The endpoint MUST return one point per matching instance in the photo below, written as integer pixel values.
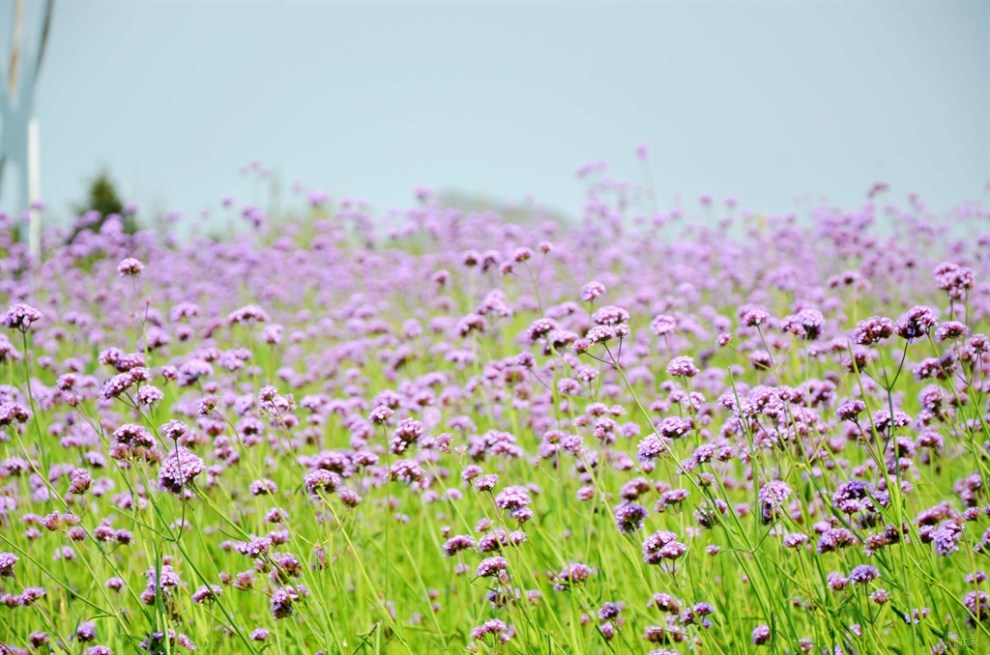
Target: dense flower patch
(639, 434)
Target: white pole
(34, 188)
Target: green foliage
(102, 197)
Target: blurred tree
(523, 213)
(102, 198)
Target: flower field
(693, 431)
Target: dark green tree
(102, 197)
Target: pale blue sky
(765, 101)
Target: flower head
(873, 330)
(21, 317)
(863, 574)
(129, 267)
(916, 323)
(682, 367)
(179, 469)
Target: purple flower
(772, 497)
(855, 496)
(592, 290)
(572, 574)
(807, 323)
(610, 315)
(148, 395)
(21, 317)
(953, 279)
(117, 385)
(661, 546)
(662, 325)
(880, 596)
(281, 602)
(86, 631)
(129, 267)
(247, 314)
(629, 518)
(604, 333)
(884, 422)
(774, 493)
(978, 604)
(134, 436)
(206, 593)
(675, 427)
(512, 498)
(491, 567)
(753, 316)
(650, 448)
(494, 627)
(849, 410)
(835, 539)
(470, 472)
(318, 197)
(682, 367)
(7, 562)
(486, 482)
(610, 611)
(540, 328)
(263, 487)
(457, 544)
(380, 415)
(946, 537)
(407, 433)
(863, 574)
(916, 323)
(950, 330)
(79, 481)
(155, 643)
(179, 469)
(940, 368)
(665, 603)
(873, 330)
(30, 595)
(321, 480)
(13, 412)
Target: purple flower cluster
(179, 469)
(463, 432)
